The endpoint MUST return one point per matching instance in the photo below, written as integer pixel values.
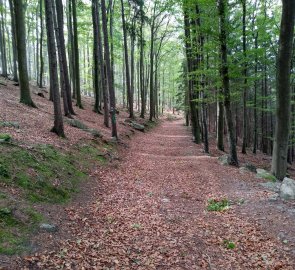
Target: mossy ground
(39, 174)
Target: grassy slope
(38, 174)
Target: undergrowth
(39, 174)
(217, 205)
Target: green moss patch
(16, 225)
(42, 173)
(39, 174)
(5, 137)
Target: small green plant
(217, 205)
(229, 244)
(5, 137)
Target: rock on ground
(287, 190)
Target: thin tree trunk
(108, 71)
(222, 6)
(127, 70)
(255, 143)
(191, 94)
(63, 58)
(58, 127)
(60, 60)
(76, 53)
(141, 65)
(245, 73)
(14, 49)
(3, 43)
(103, 80)
(97, 78)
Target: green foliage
(15, 229)
(217, 205)
(5, 137)
(229, 244)
(42, 173)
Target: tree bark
(60, 60)
(3, 43)
(127, 70)
(58, 127)
(76, 53)
(63, 57)
(108, 70)
(25, 95)
(191, 94)
(14, 49)
(97, 88)
(245, 74)
(141, 64)
(222, 6)
(282, 130)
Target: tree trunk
(222, 6)
(76, 53)
(14, 49)
(191, 94)
(96, 57)
(152, 98)
(255, 143)
(141, 65)
(280, 148)
(103, 80)
(3, 43)
(108, 70)
(25, 95)
(58, 127)
(128, 82)
(60, 59)
(63, 57)
(245, 73)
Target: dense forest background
(208, 59)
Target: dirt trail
(149, 212)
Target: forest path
(149, 212)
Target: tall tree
(20, 30)
(76, 53)
(3, 42)
(191, 88)
(97, 76)
(14, 49)
(282, 130)
(141, 62)
(113, 109)
(58, 127)
(223, 26)
(126, 58)
(41, 70)
(63, 57)
(245, 74)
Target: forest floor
(147, 208)
(149, 211)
